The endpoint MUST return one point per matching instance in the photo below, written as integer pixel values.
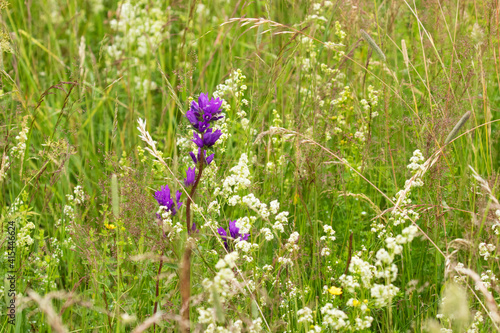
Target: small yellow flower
(110, 226)
(355, 302)
(365, 301)
(335, 291)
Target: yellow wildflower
(110, 226)
(335, 291)
(355, 302)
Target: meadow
(249, 166)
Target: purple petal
(209, 159)
(202, 126)
(193, 157)
(203, 101)
(222, 232)
(233, 229)
(197, 140)
(191, 116)
(190, 177)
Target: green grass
(83, 105)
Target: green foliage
(327, 130)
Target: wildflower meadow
(249, 166)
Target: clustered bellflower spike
(165, 200)
(234, 232)
(201, 115)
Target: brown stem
(185, 286)
(185, 274)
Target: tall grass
(363, 127)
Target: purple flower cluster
(165, 199)
(234, 233)
(201, 115)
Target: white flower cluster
(330, 233)
(255, 204)
(139, 29)
(317, 13)
(363, 274)
(77, 197)
(334, 317)
(138, 26)
(238, 179)
(416, 161)
(371, 102)
(23, 236)
(285, 261)
(291, 245)
(496, 225)
(268, 235)
(403, 215)
(169, 228)
(477, 323)
(345, 95)
(231, 86)
(25, 227)
(274, 206)
(485, 250)
(363, 323)
(19, 149)
(214, 207)
(224, 285)
(281, 221)
(487, 277)
(383, 293)
(362, 269)
(305, 315)
(224, 281)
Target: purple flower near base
(190, 177)
(208, 139)
(196, 158)
(165, 199)
(203, 113)
(234, 233)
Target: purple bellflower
(234, 233)
(208, 139)
(195, 158)
(190, 177)
(203, 113)
(164, 199)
